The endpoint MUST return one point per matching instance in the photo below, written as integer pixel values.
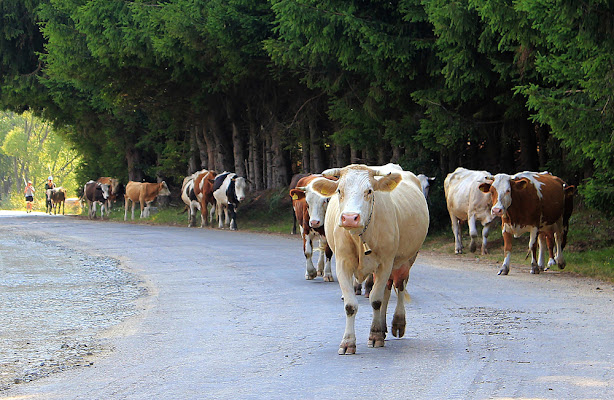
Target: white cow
(228, 190)
(310, 210)
(425, 184)
(374, 226)
(467, 203)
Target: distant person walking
(29, 192)
(49, 185)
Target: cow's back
(463, 197)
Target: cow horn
(336, 172)
(303, 188)
(377, 173)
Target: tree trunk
(255, 157)
(267, 161)
(397, 153)
(306, 150)
(222, 162)
(529, 158)
(341, 156)
(202, 147)
(237, 150)
(280, 173)
(317, 149)
(193, 161)
(210, 144)
(133, 160)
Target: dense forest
(148, 89)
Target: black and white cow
(228, 190)
(95, 192)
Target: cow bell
(366, 249)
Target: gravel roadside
(54, 304)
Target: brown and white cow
(189, 197)
(144, 193)
(374, 226)
(115, 189)
(530, 202)
(93, 193)
(293, 182)
(203, 189)
(310, 210)
(57, 196)
(466, 202)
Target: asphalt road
(229, 315)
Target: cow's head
(425, 183)
(105, 190)
(316, 203)
(500, 188)
(355, 189)
(240, 187)
(164, 190)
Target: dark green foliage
(497, 84)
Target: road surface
(229, 315)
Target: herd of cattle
(375, 219)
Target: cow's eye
(369, 191)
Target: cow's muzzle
(315, 223)
(497, 212)
(351, 220)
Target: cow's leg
(368, 285)
(532, 249)
(321, 256)
(212, 213)
(558, 239)
(378, 325)
(550, 244)
(133, 206)
(126, 203)
(485, 232)
(357, 287)
(507, 252)
(473, 233)
(541, 239)
(458, 244)
(328, 253)
(220, 217)
(310, 271)
(232, 212)
(350, 303)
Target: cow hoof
(376, 339)
(346, 348)
(535, 270)
(473, 247)
(504, 271)
(310, 274)
(329, 278)
(484, 251)
(458, 251)
(398, 326)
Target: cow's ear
(484, 187)
(297, 194)
(325, 187)
(520, 184)
(388, 182)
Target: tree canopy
(150, 89)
